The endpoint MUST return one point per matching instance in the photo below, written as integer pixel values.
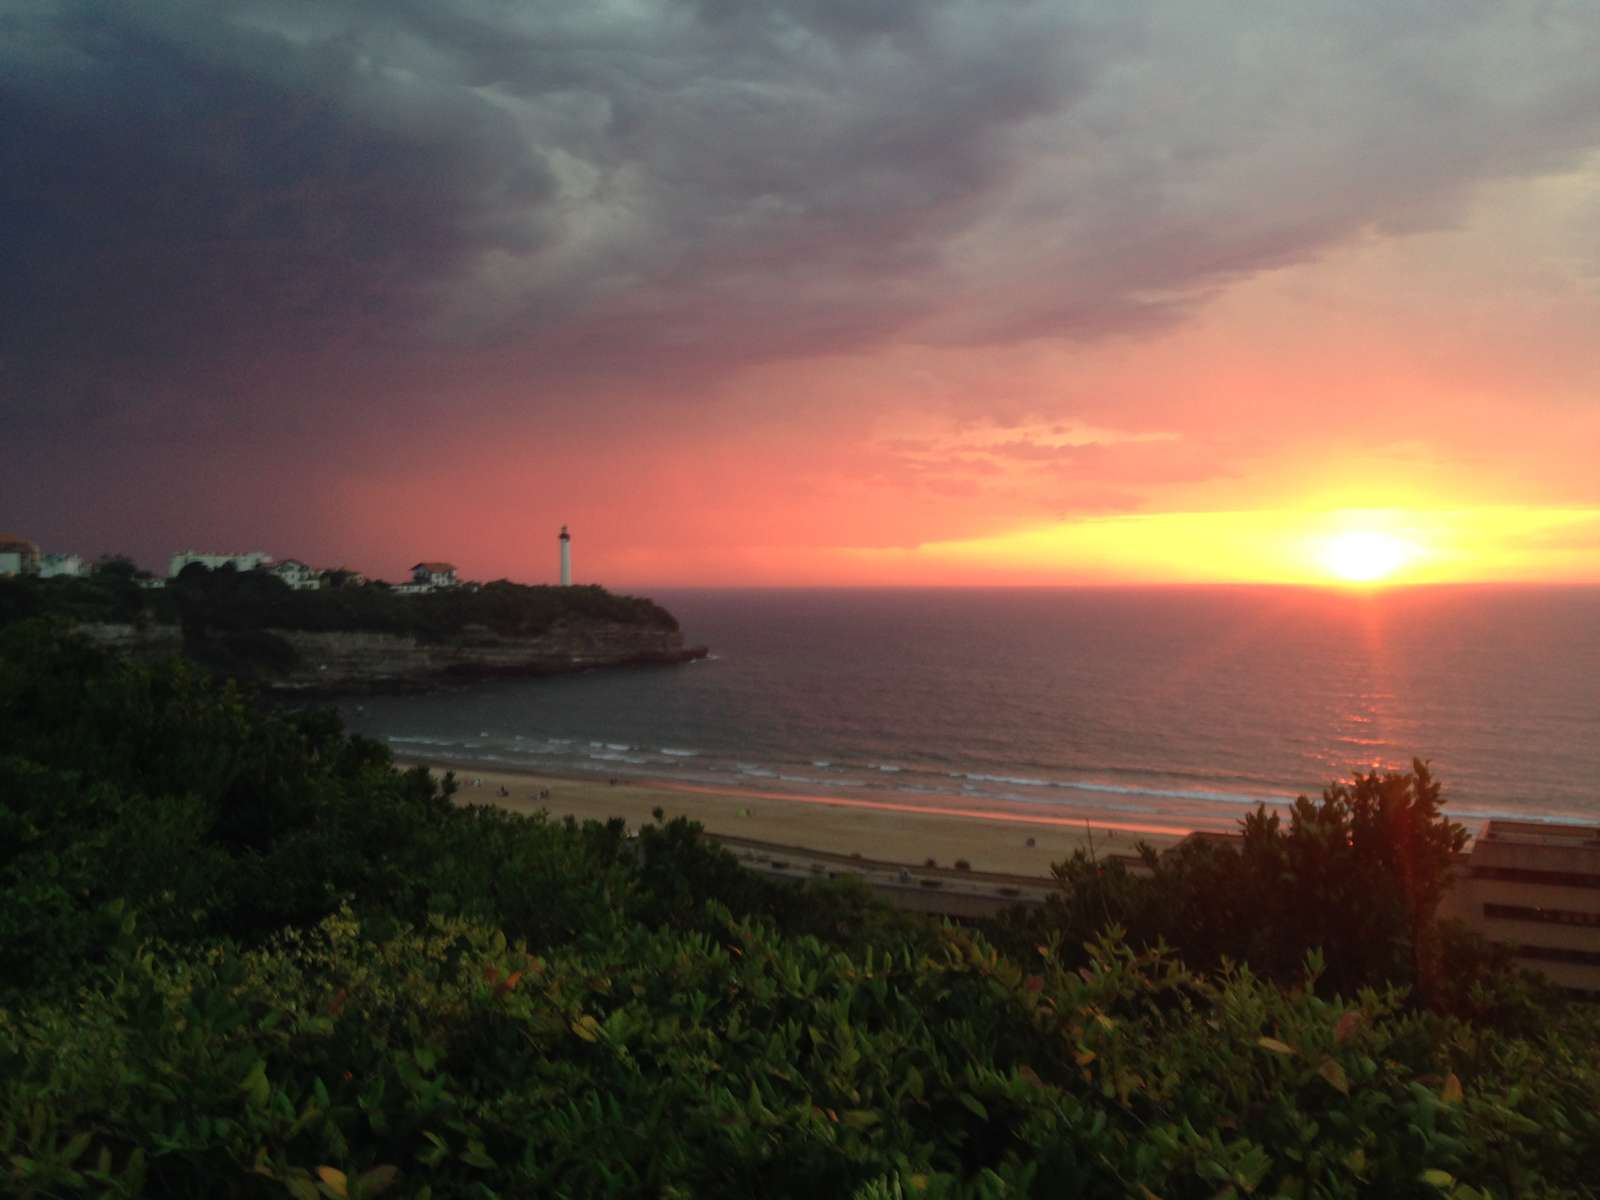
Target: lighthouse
(566, 557)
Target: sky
(807, 291)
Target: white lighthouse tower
(566, 557)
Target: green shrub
(242, 955)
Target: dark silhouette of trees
(1357, 875)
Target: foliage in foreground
(290, 970)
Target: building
(1535, 887)
(566, 557)
(434, 575)
(297, 574)
(239, 562)
(18, 556)
(62, 564)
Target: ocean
(1175, 706)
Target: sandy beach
(901, 830)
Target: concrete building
(18, 556)
(239, 562)
(1535, 887)
(297, 574)
(566, 557)
(62, 564)
(434, 575)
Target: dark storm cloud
(196, 194)
(183, 190)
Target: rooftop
(1540, 833)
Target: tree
(1358, 875)
(1397, 830)
(119, 566)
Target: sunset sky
(807, 291)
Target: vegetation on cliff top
(242, 955)
(229, 601)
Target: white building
(1535, 887)
(239, 562)
(18, 556)
(297, 574)
(434, 574)
(62, 564)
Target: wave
(1131, 796)
(1018, 780)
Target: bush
(1357, 876)
(242, 955)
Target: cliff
(298, 660)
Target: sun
(1363, 556)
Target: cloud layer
(232, 226)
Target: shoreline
(1009, 841)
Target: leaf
(587, 1028)
(378, 1179)
(1437, 1178)
(914, 1083)
(918, 1183)
(858, 1118)
(1347, 1024)
(973, 1105)
(1085, 1057)
(334, 1181)
(255, 1085)
(1451, 1092)
(1274, 1045)
(1331, 1071)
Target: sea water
(1186, 706)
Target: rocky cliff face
(358, 661)
(346, 660)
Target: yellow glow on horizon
(1365, 556)
(1318, 548)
